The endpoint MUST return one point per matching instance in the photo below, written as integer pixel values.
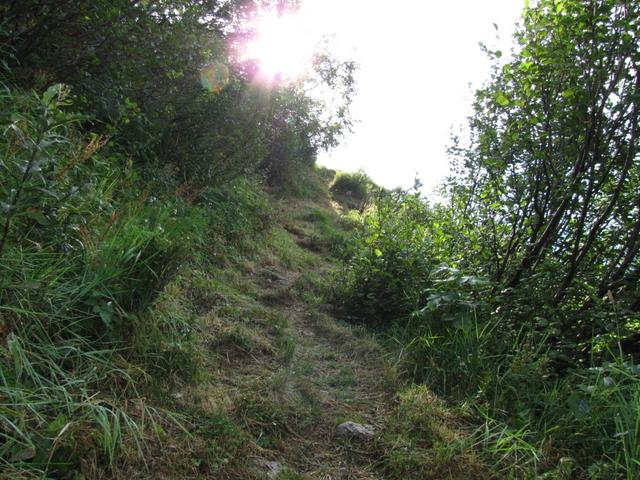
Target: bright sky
(417, 59)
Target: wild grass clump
(325, 231)
(387, 275)
(531, 420)
(235, 212)
(307, 183)
(424, 439)
(76, 267)
(69, 399)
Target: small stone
(269, 468)
(358, 430)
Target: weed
(287, 349)
(425, 440)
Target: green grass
(425, 440)
(145, 318)
(100, 310)
(51, 412)
(287, 346)
(527, 413)
(283, 247)
(529, 423)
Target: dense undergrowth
(516, 297)
(125, 309)
(531, 419)
(133, 153)
(88, 270)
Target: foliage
(518, 294)
(85, 264)
(357, 185)
(302, 125)
(546, 192)
(390, 270)
(132, 145)
(452, 335)
(142, 73)
(75, 270)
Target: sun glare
(282, 47)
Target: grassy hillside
(250, 351)
(185, 294)
(234, 360)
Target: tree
(135, 70)
(550, 184)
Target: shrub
(388, 274)
(236, 210)
(356, 185)
(78, 262)
(537, 414)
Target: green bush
(236, 210)
(389, 272)
(356, 185)
(85, 261)
(113, 199)
(74, 267)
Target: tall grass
(585, 424)
(93, 309)
(66, 384)
(356, 185)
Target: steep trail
(324, 372)
(344, 378)
(281, 372)
(337, 370)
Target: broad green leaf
(52, 92)
(502, 99)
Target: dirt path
(339, 372)
(281, 373)
(271, 374)
(346, 373)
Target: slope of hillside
(280, 373)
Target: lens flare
(214, 77)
